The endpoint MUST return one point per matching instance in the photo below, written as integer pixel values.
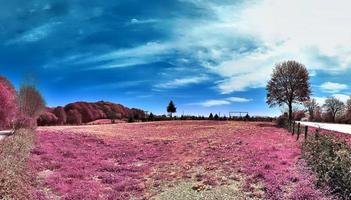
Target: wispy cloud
(220, 102)
(332, 87)
(116, 85)
(182, 82)
(35, 34)
(142, 21)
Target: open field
(171, 160)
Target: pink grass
(140, 160)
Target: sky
(206, 56)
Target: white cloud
(145, 21)
(220, 102)
(342, 97)
(35, 34)
(242, 42)
(284, 30)
(332, 87)
(238, 99)
(210, 103)
(181, 82)
(320, 100)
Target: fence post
(298, 131)
(306, 130)
(293, 128)
(317, 133)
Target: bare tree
(348, 106)
(311, 106)
(289, 84)
(334, 106)
(31, 103)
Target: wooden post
(306, 130)
(293, 128)
(317, 133)
(298, 131)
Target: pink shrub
(47, 118)
(8, 104)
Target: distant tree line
(83, 112)
(215, 117)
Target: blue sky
(207, 56)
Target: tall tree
(8, 103)
(31, 103)
(334, 106)
(171, 108)
(311, 106)
(289, 84)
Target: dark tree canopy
(210, 116)
(289, 84)
(171, 108)
(334, 106)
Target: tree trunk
(290, 111)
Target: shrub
(281, 121)
(47, 119)
(61, 115)
(8, 104)
(74, 117)
(330, 159)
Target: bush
(330, 159)
(281, 121)
(8, 104)
(15, 179)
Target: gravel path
(343, 128)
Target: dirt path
(343, 128)
(3, 134)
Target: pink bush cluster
(8, 103)
(142, 159)
(84, 112)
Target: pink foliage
(47, 118)
(8, 103)
(84, 112)
(123, 161)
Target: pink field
(147, 160)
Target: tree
(289, 84)
(211, 116)
(171, 108)
(31, 103)
(334, 106)
(311, 106)
(112, 115)
(74, 117)
(151, 117)
(61, 115)
(348, 106)
(8, 103)
(216, 117)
